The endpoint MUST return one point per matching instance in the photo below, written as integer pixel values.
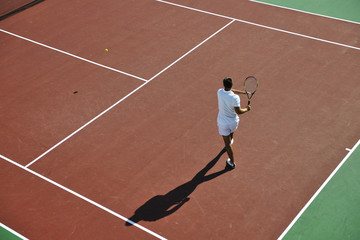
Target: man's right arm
(239, 110)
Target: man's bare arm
(238, 91)
(239, 110)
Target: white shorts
(227, 129)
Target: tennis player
(228, 119)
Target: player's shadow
(163, 205)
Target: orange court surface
(124, 144)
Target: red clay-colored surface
(39, 210)
(280, 162)
(38, 104)
(40, 124)
(143, 37)
(9, 6)
(148, 148)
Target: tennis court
(108, 121)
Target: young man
(228, 119)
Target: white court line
(318, 191)
(92, 120)
(72, 55)
(86, 124)
(310, 13)
(12, 231)
(192, 49)
(83, 197)
(262, 26)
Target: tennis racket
(250, 87)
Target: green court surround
(6, 235)
(342, 9)
(334, 214)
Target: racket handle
(249, 102)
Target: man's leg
(231, 137)
(228, 147)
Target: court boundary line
(88, 200)
(211, 36)
(260, 25)
(302, 11)
(72, 55)
(12, 231)
(318, 191)
(128, 95)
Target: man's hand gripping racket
(250, 87)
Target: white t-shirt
(227, 101)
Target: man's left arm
(238, 91)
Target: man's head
(227, 83)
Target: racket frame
(248, 94)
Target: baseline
(262, 26)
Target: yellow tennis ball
(106, 50)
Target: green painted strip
(342, 9)
(334, 214)
(6, 235)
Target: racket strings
(250, 85)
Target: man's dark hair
(227, 82)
